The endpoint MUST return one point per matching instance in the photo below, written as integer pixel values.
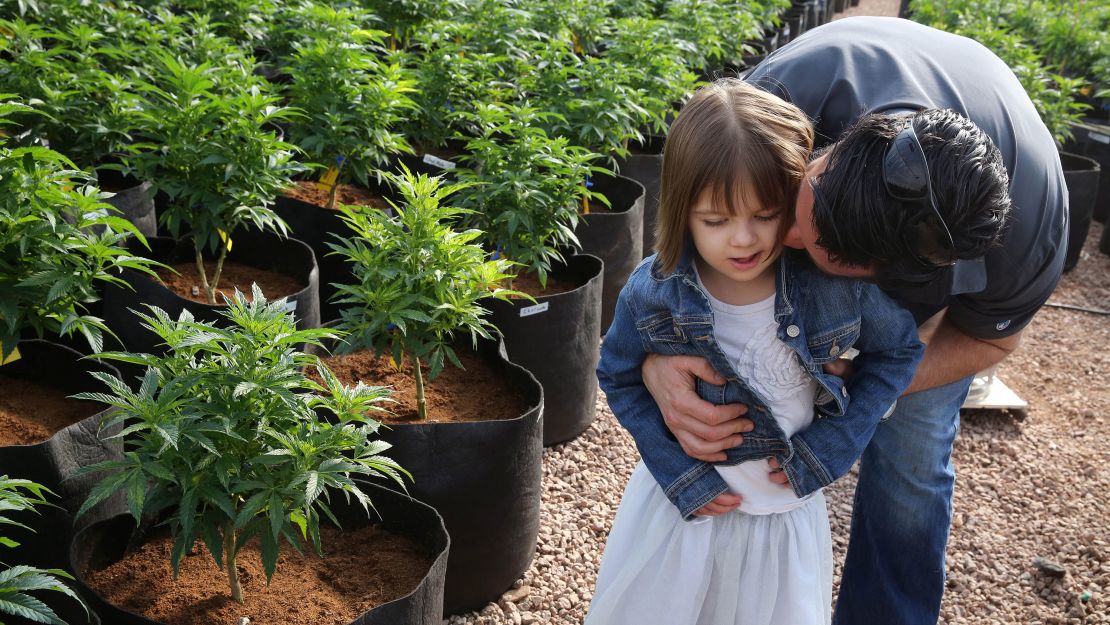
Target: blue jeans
(894, 570)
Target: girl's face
(736, 250)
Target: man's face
(803, 234)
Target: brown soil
(529, 283)
(361, 569)
(234, 276)
(312, 193)
(477, 394)
(31, 413)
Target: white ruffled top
(747, 335)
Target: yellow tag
(577, 46)
(329, 177)
(396, 365)
(585, 205)
(7, 33)
(1085, 90)
(12, 357)
(226, 239)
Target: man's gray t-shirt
(851, 67)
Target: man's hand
(777, 475)
(725, 502)
(703, 430)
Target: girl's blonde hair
(738, 140)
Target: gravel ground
(1026, 489)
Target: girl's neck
(737, 293)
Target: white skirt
(732, 569)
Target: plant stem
(203, 277)
(421, 403)
(229, 561)
(335, 186)
(216, 278)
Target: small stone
(196, 291)
(516, 595)
(242, 620)
(1049, 568)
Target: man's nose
(793, 237)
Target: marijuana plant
(527, 187)
(17, 581)
(50, 257)
(214, 154)
(418, 282)
(228, 440)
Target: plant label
(1101, 138)
(528, 311)
(97, 214)
(291, 305)
(436, 161)
(12, 357)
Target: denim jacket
(818, 316)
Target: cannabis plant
(527, 187)
(51, 260)
(17, 581)
(352, 101)
(418, 283)
(215, 154)
(228, 440)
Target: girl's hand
(777, 475)
(725, 502)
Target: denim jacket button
(834, 350)
(793, 331)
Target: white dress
(768, 563)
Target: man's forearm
(951, 355)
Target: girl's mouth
(745, 262)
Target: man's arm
(952, 354)
(703, 429)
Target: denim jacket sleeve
(687, 482)
(889, 352)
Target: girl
(720, 287)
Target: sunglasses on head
(906, 178)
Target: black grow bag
(317, 226)
(101, 544)
(262, 250)
(51, 461)
(644, 165)
(1081, 175)
(485, 479)
(1092, 139)
(133, 199)
(556, 340)
(616, 237)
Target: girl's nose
(742, 234)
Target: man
(915, 198)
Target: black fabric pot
(1092, 139)
(262, 250)
(102, 544)
(644, 165)
(1081, 175)
(51, 461)
(616, 237)
(556, 340)
(485, 479)
(133, 198)
(841, 5)
(317, 226)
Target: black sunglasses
(906, 177)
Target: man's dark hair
(861, 224)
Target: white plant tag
(1094, 136)
(290, 305)
(528, 311)
(436, 161)
(96, 214)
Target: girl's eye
(713, 223)
(767, 217)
